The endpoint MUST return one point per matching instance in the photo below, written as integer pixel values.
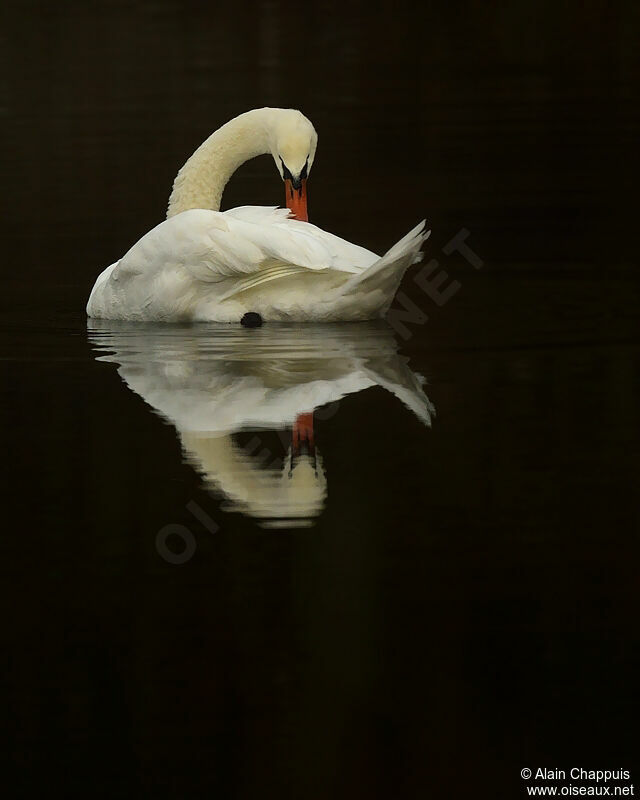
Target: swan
(213, 382)
(203, 265)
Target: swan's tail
(385, 274)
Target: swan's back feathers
(260, 215)
(344, 255)
(212, 245)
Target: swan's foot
(251, 320)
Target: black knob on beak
(296, 183)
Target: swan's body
(204, 265)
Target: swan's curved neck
(201, 181)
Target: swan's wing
(304, 244)
(251, 243)
(245, 247)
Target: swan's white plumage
(205, 265)
(216, 266)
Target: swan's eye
(305, 170)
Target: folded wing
(250, 242)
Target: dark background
(466, 606)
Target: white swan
(213, 382)
(201, 264)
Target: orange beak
(296, 199)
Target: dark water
(435, 607)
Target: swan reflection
(213, 382)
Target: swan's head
(293, 147)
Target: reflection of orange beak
(303, 433)
(297, 199)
